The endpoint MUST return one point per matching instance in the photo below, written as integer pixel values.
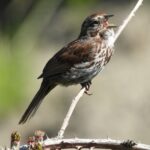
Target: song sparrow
(79, 61)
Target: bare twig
(80, 94)
(41, 143)
(89, 143)
(126, 21)
(69, 113)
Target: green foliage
(22, 25)
(80, 3)
(19, 34)
(11, 79)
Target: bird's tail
(35, 103)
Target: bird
(77, 62)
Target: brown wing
(75, 52)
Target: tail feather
(35, 103)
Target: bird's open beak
(106, 23)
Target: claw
(87, 92)
(86, 85)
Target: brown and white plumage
(78, 62)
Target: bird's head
(95, 23)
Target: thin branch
(90, 143)
(69, 113)
(126, 21)
(40, 141)
(80, 94)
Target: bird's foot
(86, 85)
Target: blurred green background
(31, 31)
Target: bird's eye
(94, 23)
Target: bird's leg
(86, 85)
